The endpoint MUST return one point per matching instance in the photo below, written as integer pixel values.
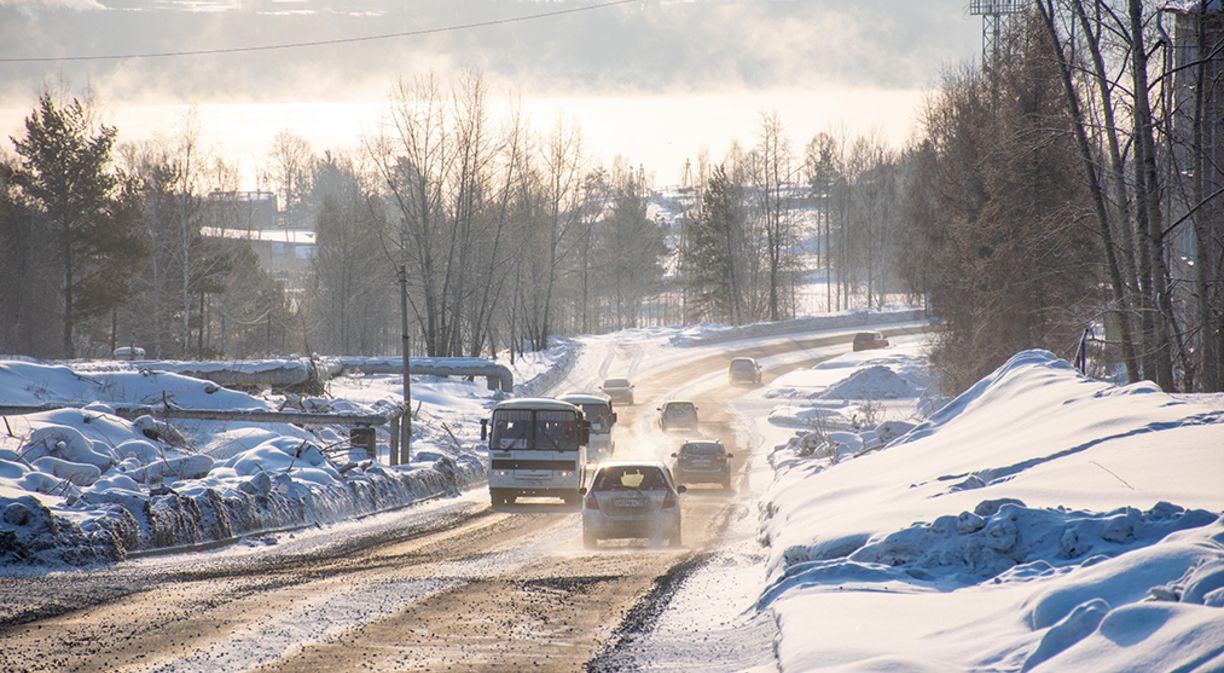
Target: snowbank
(82, 486)
(706, 333)
(1040, 521)
(876, 382)
(540, 372)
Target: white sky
(654, 83)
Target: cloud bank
(648, 48)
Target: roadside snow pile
(706, 333)
(81, 485)
(997, 537)
(876, 382)
(896, 373)
(1046, 538)
(537, 372)
(851, 404)
(810, 416)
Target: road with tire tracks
(450, 585)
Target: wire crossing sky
(320, 43)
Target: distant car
(128, 353)
(703, 461)
(631, 500)
(744, 370)
(620, 391)
(678, 415)
(865, 341)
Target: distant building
(285, 253)
(246, 211)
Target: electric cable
(321, 43)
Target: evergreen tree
(64, 170)
(712, 246)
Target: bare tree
(290, 160)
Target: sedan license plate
(632, 502)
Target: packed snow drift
(1040, 521)
(81, 484)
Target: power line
(322, 43)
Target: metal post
(406, 424)
(393, 453)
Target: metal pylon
(995, 15)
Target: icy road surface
(448, 585)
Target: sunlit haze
(654, 83)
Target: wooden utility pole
(405, 443)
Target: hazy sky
(653, 80)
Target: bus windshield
(519, 429)
(599, 415)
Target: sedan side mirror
(614, 418)
(484, 429)
(681, 489)
(582, 490)
(730, 455)
(673, 455)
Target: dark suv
(703, 461)
(744, 371)
(866, 341)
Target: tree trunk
(1148, 209)
(1117, 285)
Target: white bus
(597, 408)
(537, 447)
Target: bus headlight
(501, 473)
(564, 473)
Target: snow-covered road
(451, 583)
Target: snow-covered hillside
(1041, 521)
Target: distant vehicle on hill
(678, 415)
(620, 390)
(744, 371)
(865, 341)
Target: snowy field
(1040, 521)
